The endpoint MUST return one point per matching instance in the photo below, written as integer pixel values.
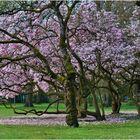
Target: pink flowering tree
(68, 46)
(106, 50)
(44, 38)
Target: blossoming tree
(68, 46)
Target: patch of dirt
(59, 119)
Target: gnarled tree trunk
(71, 109)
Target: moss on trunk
(71, 109)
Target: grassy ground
(91, 131)
(4, 112)
(9, 112)
(111, 131)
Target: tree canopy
(68, 46)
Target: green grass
(4, 112)
(126, 106)
(129, 130)
(111, 131)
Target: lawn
(9, 112)
(4, 112)
(129, 130)
(106, 131)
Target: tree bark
(116, 105)
(138, 107)
(83, 115)
(29, 94)
(139, 111)
(28, 100)
(97, 109)
(71, 109)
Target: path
(59, 119)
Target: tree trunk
(82, 111)
(116, 105)
(102, 106)
(139, 111)
(138, 107)
(29, 94)
(71, 109)
(78, 106)
(107, 100)
(83, 115)
(97, 109)
(38, 99)
(28, 100)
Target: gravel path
(59, 119)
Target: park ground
(92, 130)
